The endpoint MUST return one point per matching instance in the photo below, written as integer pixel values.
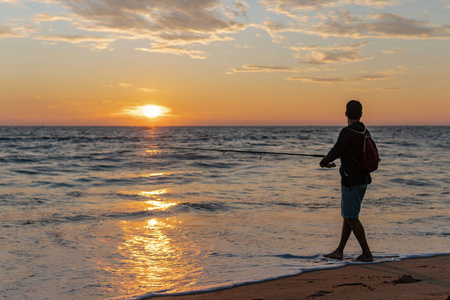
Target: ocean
(110, 213)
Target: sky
(209, 62)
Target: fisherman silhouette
(354, 181)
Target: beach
(427, 278)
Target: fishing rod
(262, 153)
(242, 151)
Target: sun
(152, 111)
(149, 111)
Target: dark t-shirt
(349, 148)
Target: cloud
(125, 85)
(392, 25)
(168, 49)
(344, 24)
(339, 79)
(372, 77)
(120, 85)
(386, 89)
(376, 3)
(399, 70)
(146, 90)
(172, 23)
(75, 39)
(7, 32)
(47, 17)
(264, 69)
(382, 75)
(319, 79)
(291, 7)
(380, 25)
(36, 1)
(273, 29)
(390, 89)
(240, 8)
(330, 54)
(250, 68)
(394, 50)
(94, 42)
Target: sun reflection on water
(153, 254)
(152, 193)
(152, 259)
(152, 152)
(158, 205)
(152, 175)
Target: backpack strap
(360, 132)
(365, 133)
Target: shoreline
(429, 279)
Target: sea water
(107, 212)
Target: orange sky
(267, 62)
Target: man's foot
(335, 255)
(365, 258)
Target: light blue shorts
(352, 198)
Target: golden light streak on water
(159, 205)
(151, 257)
(152, 193)
(152, 175)
(152, 152)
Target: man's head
(354, 110)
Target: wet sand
(429, 278)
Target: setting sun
(146, 111)
(152, 111)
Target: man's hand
(329, 165)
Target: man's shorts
(351, 200)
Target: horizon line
(373, 125)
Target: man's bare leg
(358, 231)
(345, 234)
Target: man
(354, 182)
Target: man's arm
(337, 150)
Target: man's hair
(354, 110)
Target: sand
(429, 278)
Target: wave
(60, 218)
(291, 256)
(208, 207)
(20, 199)
(187, 207)
(413, 182)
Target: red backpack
(370, 158)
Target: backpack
(370, 158)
